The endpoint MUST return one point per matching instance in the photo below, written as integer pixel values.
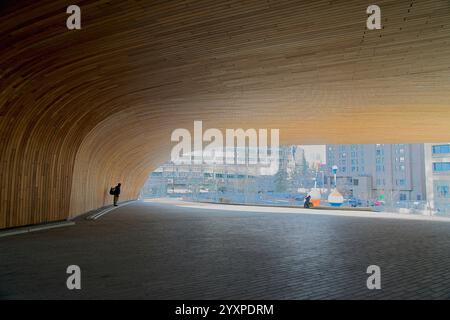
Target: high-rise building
(394, 172)
(437, 167)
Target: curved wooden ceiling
(82, 110)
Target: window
(402, 182)
(355, 182)
(444, 148)
(402, 197)
(157, 174)
(441, 166)
(443, 191)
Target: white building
(437, 168)
(394, 172)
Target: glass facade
(440, 149)
(441, 166)
(442, 191)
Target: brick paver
(156, 251)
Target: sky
(314, 152)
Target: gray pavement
(161, 251)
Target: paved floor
(161, 251)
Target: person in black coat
(307, 202)
(116, 193)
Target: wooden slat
(82, 110)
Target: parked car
(353, 202)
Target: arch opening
(82, 110)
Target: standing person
(116, 192)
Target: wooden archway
(81, 110)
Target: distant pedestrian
(307, 202)
(115, 192)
